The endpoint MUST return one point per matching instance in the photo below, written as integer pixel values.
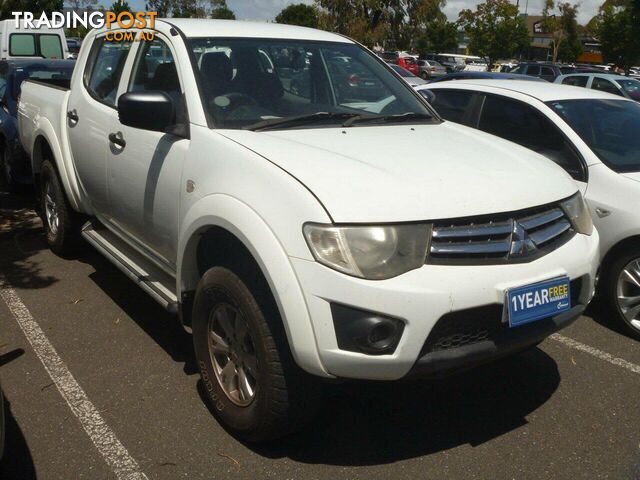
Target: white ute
(296, 233)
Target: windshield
(632, 87)
(609, 127)
(247, 81)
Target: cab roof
(196, 27)
(543, 91)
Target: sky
(266, 10)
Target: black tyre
(424, 75)
(621, 288)
(61, 223)
(254, 386)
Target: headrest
(216, 66)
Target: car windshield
(609, 127)
(245, 82)
(54, 74)
(632, 87)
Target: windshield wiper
(403, 117)
(299, 120)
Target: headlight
(578, 212)
(372, 252)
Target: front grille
(474, 325)
(504, 238)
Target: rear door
(90, 111)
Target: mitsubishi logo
(521, 243)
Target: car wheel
(251, 380)
(424, 76)
(622, 284)
(61, 223)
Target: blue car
(15, 168)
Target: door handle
(73, 115)
(116, 139)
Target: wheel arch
(624, 245)
(220, 230)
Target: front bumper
(422, 297)
(507, 342)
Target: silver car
(605, 82)
(430, 69)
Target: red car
(410, 63)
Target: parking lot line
(114, 453)
(569, 342)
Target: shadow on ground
(21, 238)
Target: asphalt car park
(100, 382)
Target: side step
(150, 278)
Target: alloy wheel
(232, 353)
(628, 292)
(51, 208)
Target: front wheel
(622, 290)
(424, 76)
(256, 390)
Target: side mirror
(147, 110)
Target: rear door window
(533, 70)
(522, 124)
(605, 86)
(575, 81)
(453, 105)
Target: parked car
(409, 63)
(430, 69)
(28, 42)
(295, 236)
(407, 76)
(451, 62)
(3, 427)
(604, 82)
(592, 135)
(15, 168)
(73, 45)
(485, 75)
(546, 71)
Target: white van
(23, 42)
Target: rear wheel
(61, 223)
(256, 389)
(622, 290)
(424, 75)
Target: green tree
(35, 6)
(221, 11)
(120, 6)
(393, 23)
(299, 14)
(619, 32)
(563, 28)
(439, 36)
(162, 7)
(495, 30)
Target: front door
(144, 168)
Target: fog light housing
(366, 332)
